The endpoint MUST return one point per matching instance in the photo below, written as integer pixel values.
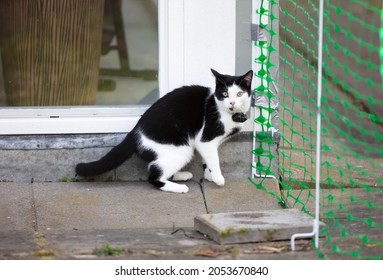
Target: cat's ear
(218, 77)
(215, 73)
(247, 79)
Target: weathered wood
(50, 51)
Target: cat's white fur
(173, 158)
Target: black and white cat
(186, 119)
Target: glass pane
(70, 52)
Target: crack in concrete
(43, 252)
(34, 211)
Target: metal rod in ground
(315, 231)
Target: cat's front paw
(218, 180)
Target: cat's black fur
(174, 119)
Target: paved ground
(71, 220)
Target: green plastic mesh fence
(351, 202)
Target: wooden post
(50, 51)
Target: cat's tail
(111, 160)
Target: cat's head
(233, 93)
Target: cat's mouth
(234, 110)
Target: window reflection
(70, 52)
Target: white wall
(209, 39)
(201, 35)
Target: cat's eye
(225, 94)
(239, 94)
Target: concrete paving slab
(81, 243)
(253, 226)
(17, 244)
(240, 195)
(114, 205)
(15, 206)
(158, 244)
(16, 218)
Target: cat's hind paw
(182, 176)
(173, 187)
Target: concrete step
(52, 158)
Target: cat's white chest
(230, 125)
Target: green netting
(351, 164)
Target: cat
(187, 119)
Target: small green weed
(64, 179)
(106, 250)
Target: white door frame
(171, 45)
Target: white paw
(182, 189)
(218, 179)
(182, 176)
(173, 187)
(207, 175)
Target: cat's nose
(232, 103)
